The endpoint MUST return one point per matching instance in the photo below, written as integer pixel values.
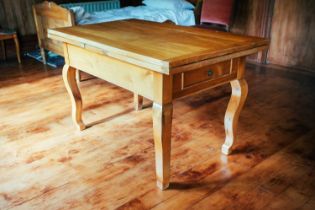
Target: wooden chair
(217, 14)
(9, 34)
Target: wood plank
(156, 46)
(287, 47)
(151, 83)
(49, 15)
(254, 18)
(263, 185)
(17, 15)
(123, 74)
(111, 165)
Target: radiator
(95, 6)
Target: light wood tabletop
(161, 62)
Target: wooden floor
(46, 164)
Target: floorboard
(46, 164)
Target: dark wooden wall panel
(17, 14)
(253, 17)
(293, 34)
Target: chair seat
(6, 34)
(7, 31)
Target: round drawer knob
(210, 73)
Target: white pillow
(168, 4)
(80, 13)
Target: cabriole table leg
(69, 77)
(238, 97)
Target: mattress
(183, 17)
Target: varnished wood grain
(138, 101)
(162, 125)
(254, 18)
(289, 24)
(239, 94)
(236, 103)
(49, 15)
(46, 164)
(69, 77)
(17, 15)
(159, 47)
(148, 74)
(112, 70)
(293, 29)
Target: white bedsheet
(179, 17)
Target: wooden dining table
(161, 62)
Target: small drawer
(206, 73)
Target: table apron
(134, 78)
(158, 87)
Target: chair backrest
(49, 15)
(217, 12)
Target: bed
(50, 15)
